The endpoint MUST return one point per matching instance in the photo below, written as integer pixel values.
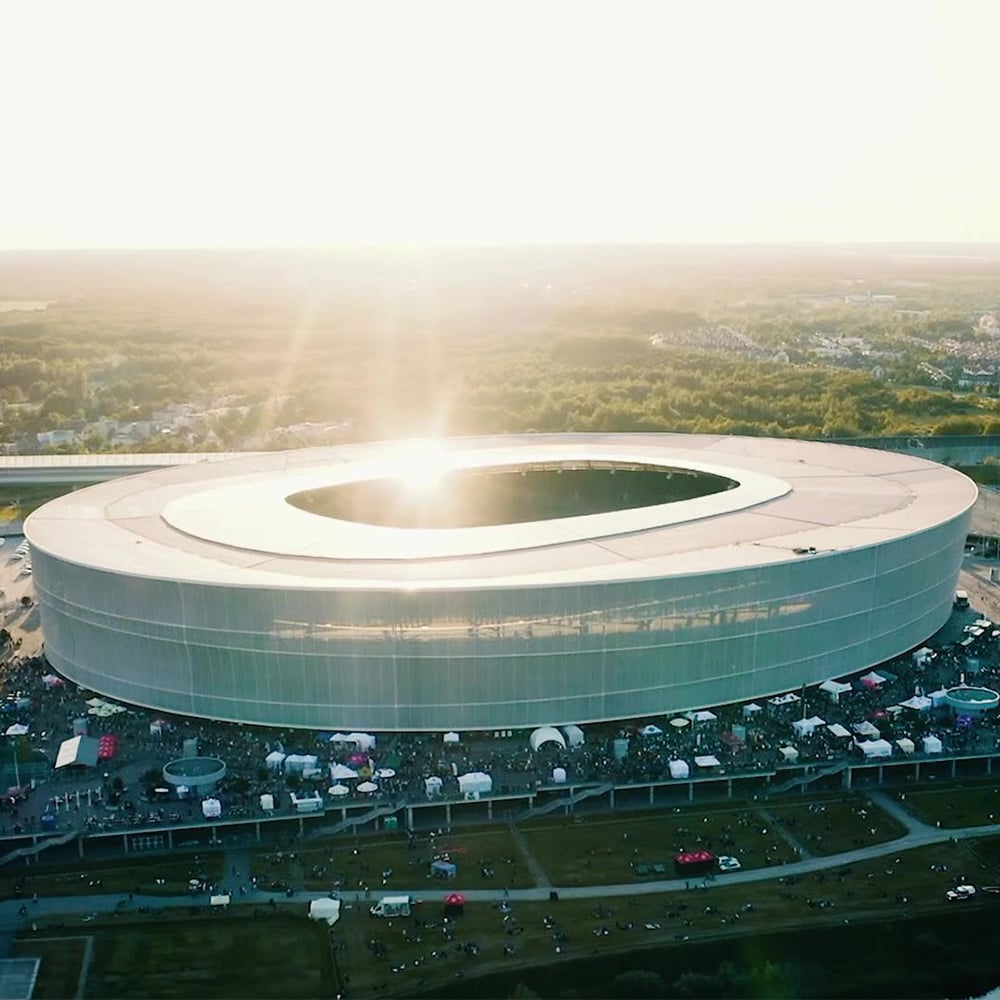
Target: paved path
(898, 812)
(923, 836)
(538, 873)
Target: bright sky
(216, 123)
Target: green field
(62, 953)
(976, 804)
(362, 862)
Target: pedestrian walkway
(782, 831)
(898, 812)
(538, 873)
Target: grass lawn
(835, 823)
(320, 865)
(277, 955)
(956, 805)
(62, 961)
(603, 850)
(113, 877)
(425, 956)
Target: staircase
(809, 777)
(35, 849)
(567, 802)
(357, 819)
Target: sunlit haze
(339, 123)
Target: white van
(392, 906)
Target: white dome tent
(546, 734)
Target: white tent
(546, 734)
(702, 716)
(211, 808)
(938, 697)
(834, 689)
(709, 760)
(574, 736)
(873, 749)
(325, 909)
(274, 760)
(363, 741)
(907, 746)
(873, 679)
(866, 729)
(385, 772)
(923, 656)
(790, 754)
(836, 729)
(474, 784)
(451, 738)
(806, 727)
(341, 772)
(367, 787)
(267, 802)
(679, 769)
(433, 786)
(559, 775)
(784, 699)
(296, 763)
(919, 703)
(18, 729)
(650, 730)
(932, 744)
(751, 709)
(338, 791)
(51, 681)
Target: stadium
(496, 582)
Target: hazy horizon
(336, 125)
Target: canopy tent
(367, 787)
(806, 727)
(18, 729)
(919, 703)
(341, 772)
(938, 697)
(834, 689)
(454, 899)
(546, 734)
(296, 763)
(474, 784)
(650, 730)
(306, 803)
(781, 700)
(873, 749)
(932, 744)
(907, 746)
(443, 869)
(790, 754)
(338, 791)
(866, 729)
(211, 808)
(158, 727)
(267, 802)
(385, 772)
(274, 760)
(433, 786)
(751, 709)
(923, 656)
(679, 769)
(702, 716)
(107, 747)
(574, 736)
(363, 741)
(325, 909)
(708, 760)
(451, 738)
(51, 681)
(680, 722)
(559, 775)
(872, 679)
(836, 729)
(78, 751)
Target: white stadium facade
(495, 582)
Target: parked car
(961, 892)
(728, 864)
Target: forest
(268, 358)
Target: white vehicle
(961, 892)
(728, 864)
(392, 906)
